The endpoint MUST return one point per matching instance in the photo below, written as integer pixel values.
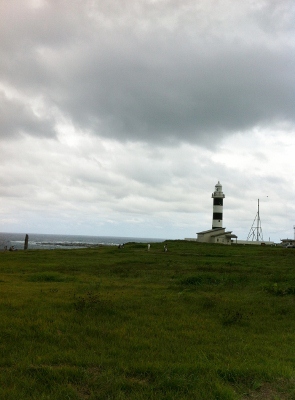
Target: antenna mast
(255, 233)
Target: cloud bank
(120, 117)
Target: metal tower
(255, 233)
(218, 197)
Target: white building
(216, 235)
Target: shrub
(279, 291)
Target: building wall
(221, 240)
(204, 237)
(266, 243)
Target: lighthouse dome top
(218, 190)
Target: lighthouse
(217, 234)
(218, 197)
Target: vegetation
(200, 321)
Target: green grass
(198, 322)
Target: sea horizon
(65, 241)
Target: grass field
(198, 322)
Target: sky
(118, 117)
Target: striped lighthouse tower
(218, 197)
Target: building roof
(211, 230)
(222, 234)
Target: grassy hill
(200, 321)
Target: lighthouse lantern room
(218, 197)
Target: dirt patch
(282, 390)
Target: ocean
(44, 241)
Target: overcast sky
(118, 117)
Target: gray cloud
(182, 96)
(18, 117)
(123, 115)
(163, 73)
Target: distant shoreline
(51, 241)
